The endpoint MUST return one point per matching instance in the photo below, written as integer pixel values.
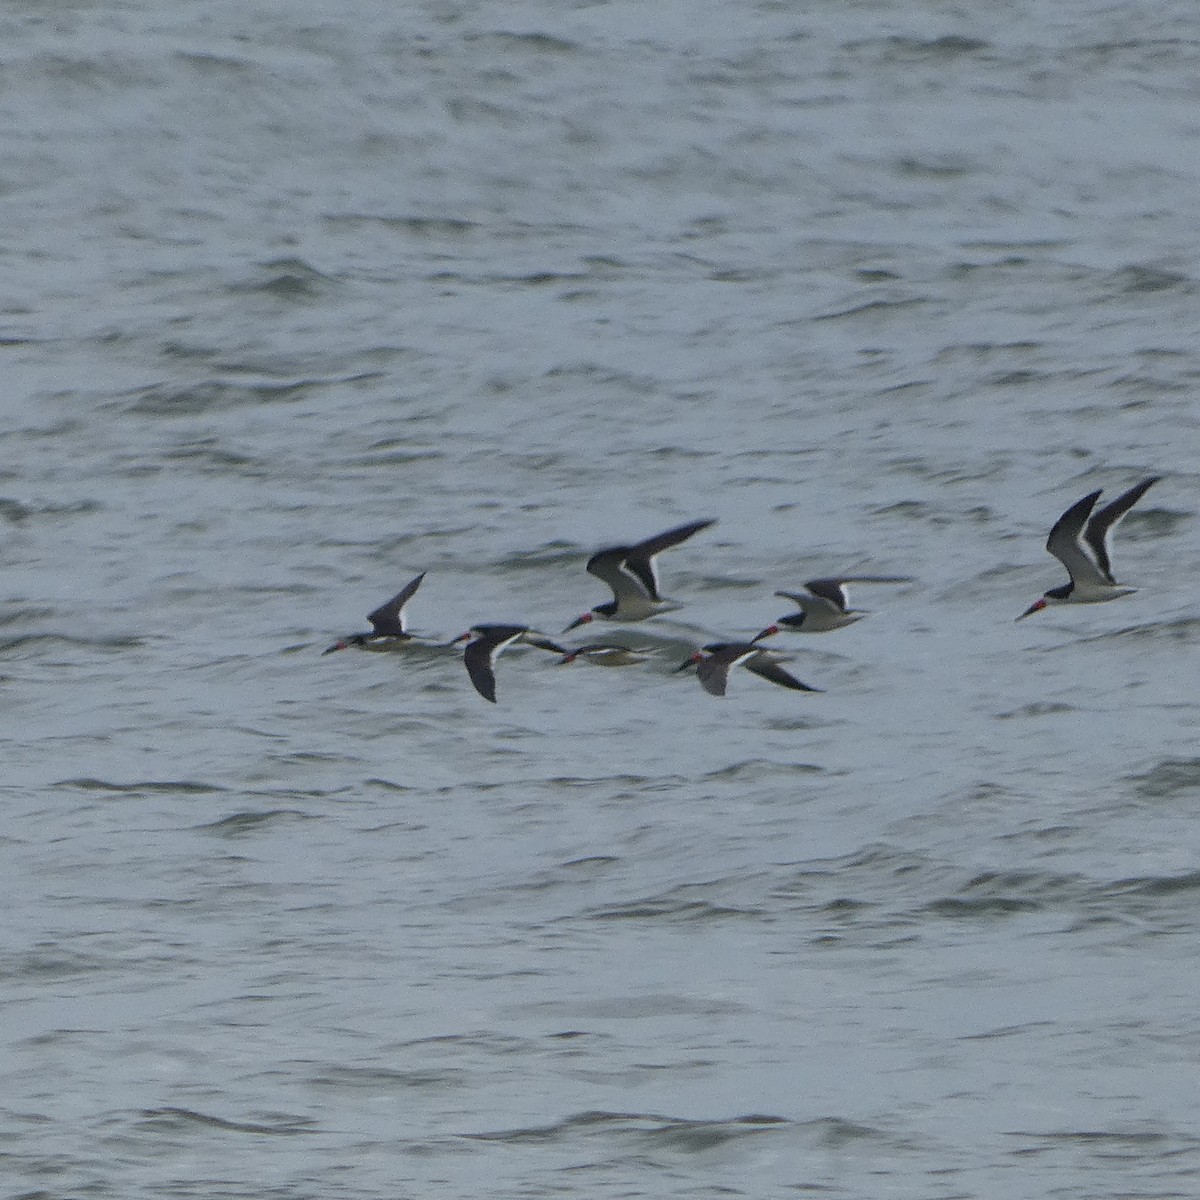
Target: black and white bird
(824, 605)
(1081, 540)
(484, 642)
(714, 663)
(388, 630)
(632, 574)
(605, 654)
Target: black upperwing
(1099, 528)
(388, 619)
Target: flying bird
(714, 663)
(485, 642)
(604, 654)
(388, 630)
(632, 574)
(1081, 541)
(824, 605)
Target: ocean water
(298, 302)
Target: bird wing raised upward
(1064, 543)
(812, 604)
(609, 565)
(830, 590)
(388, 619)
(834, 589)
(639, 559)
(1098, 534)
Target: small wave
(657, 908)
(1146, 278)
(1179, 630)
(796, 725)
(690, 902)
(632, 784)
(871, 308)
(383, 1079)
(981, 906)
(286, 279)
(1038, 708)
(117, 642)
(14, 616)
(398, 457)
(946, 166)
(49, 962)
(142, 787)
(206, 395)
(388, 785)
(208, 455)
(542, 42)
(1157, 885)
(1115, 1138)
(1003, 893)
(180, 1118)
(912, 49)
(1169, 778)
(16, 511)
(413, 225)
(755, 768)
(918, 510)
(677, 1133)
(237, 824)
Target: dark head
(585, 619)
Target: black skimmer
(605, 654)
(714, 663)
(1081, 541)
(826, 605)
(484, 642)
(630, 572)
(387, 624)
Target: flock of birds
(1080, 540)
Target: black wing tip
(790, 681)
(693, 527)
(679, 533)
(544, 643)
(1111, 513)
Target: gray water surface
(299, 302)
